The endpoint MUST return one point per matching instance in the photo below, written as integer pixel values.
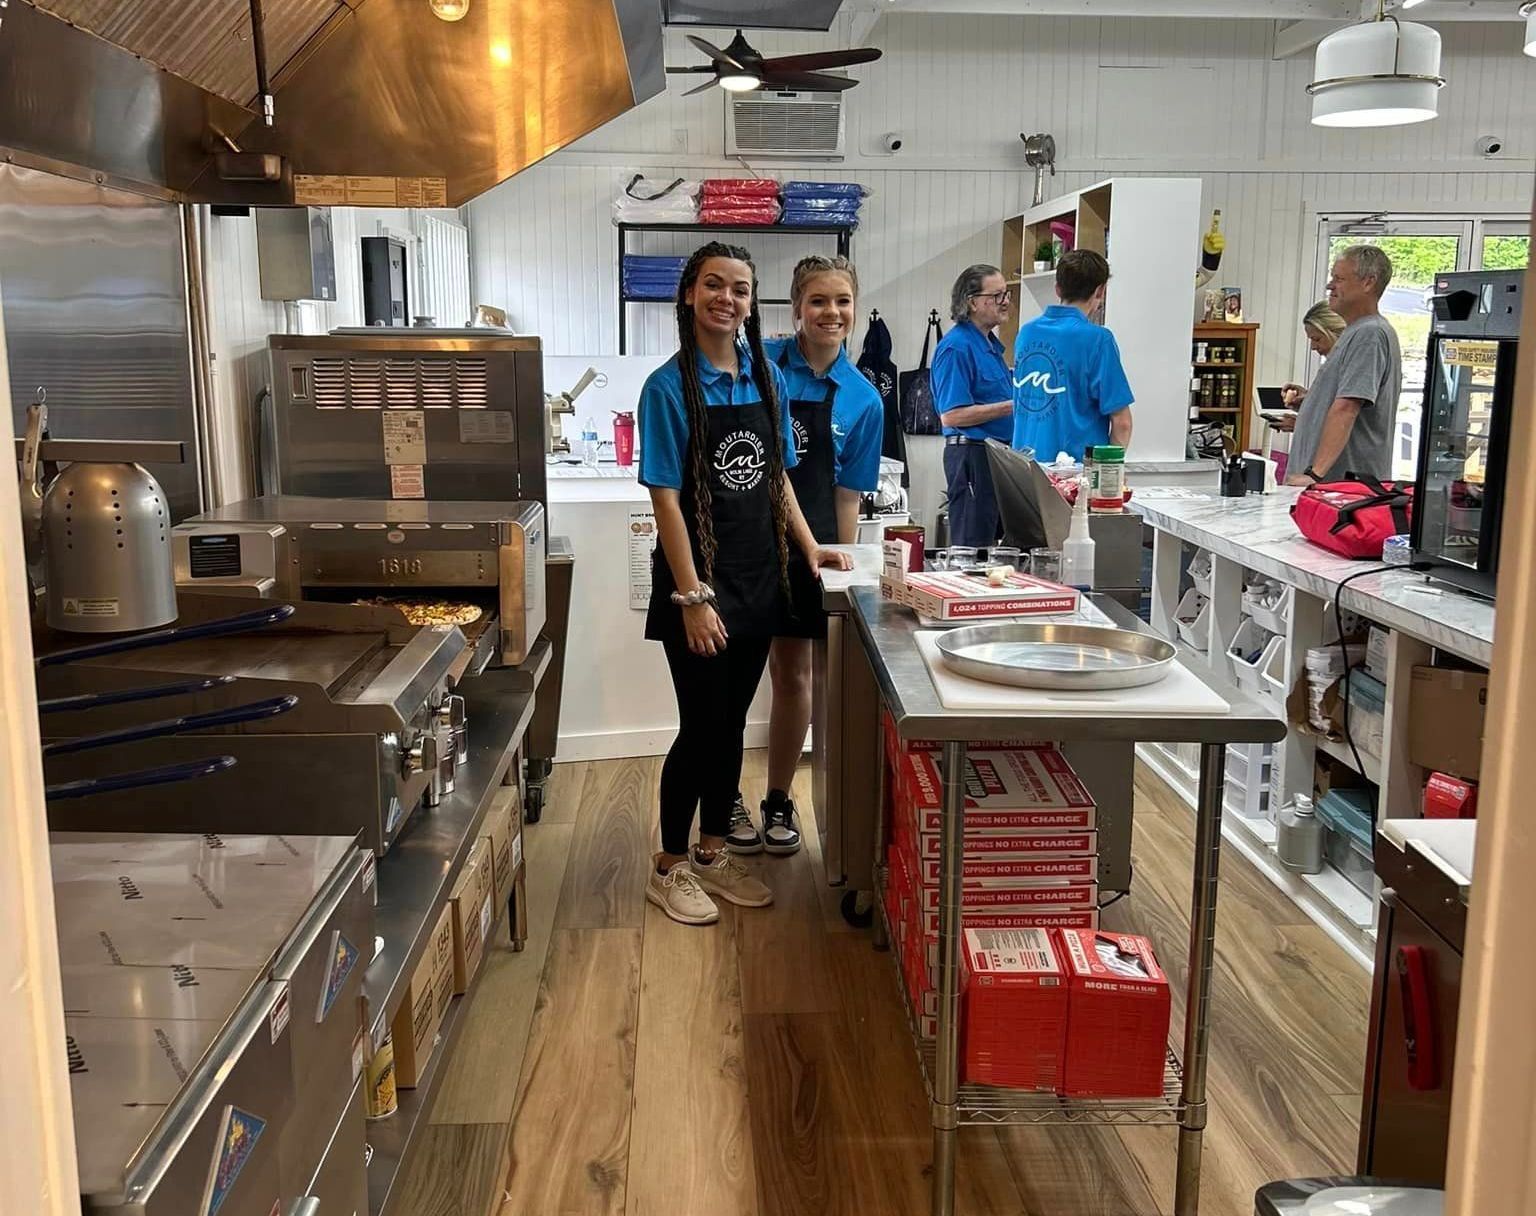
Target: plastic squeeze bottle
(1077, 552)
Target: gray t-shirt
(1365, 364)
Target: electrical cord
(1119, 895)
(1338, 620)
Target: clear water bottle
(589, 444)
(1299, 837)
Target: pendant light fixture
(1528, 11)
(1380, 73)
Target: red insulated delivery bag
(1354, 517)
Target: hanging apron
(748, 595)
(815, 480)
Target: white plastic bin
(1252, 636)
(1200, 571)
(1275, 618)
(1193, 618)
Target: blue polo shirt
(1067, 381)
(663, 419)
(858, 417)
(969, 369)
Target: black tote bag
(917, 413)
(876, 364)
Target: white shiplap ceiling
(1274, 10)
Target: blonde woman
(1322, 326)
(838, 423)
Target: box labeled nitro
(1118, 1006)
(1017, 790)
(955, 596)
(1013, 1023)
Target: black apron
(749, 596)
(815, 480)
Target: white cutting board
(1180, 692)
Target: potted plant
(1045, 256)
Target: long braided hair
(698, 421)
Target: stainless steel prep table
(845, 726)
(886, 634)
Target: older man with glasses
(973, 397)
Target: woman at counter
(1323, 328)
(838, 424)
(716, 444)
(973, 397)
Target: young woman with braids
(715, 447)
(838, 425)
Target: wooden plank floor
(624, 1064)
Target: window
(443, 270)
(1420, 249)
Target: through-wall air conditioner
(789, 124)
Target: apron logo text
(802, 439)
(739, 461)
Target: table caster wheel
(858, 909)
(533, 803)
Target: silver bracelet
(702, 594)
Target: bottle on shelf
(1299, 837)
(589, 444)
(1077, 550)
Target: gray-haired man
(1346, 420)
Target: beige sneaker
(730, 880)
(679, 894)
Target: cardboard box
(1118, 1006)
(1007, 894)
(1013, 846)
(414, 1030)
(441, 950)
(471, 904)
(1051, 916)
(498, 831)
(1013, 1022)
(895, 747)
(944, 596)
(1055, 868)
(1447, 797)
(1446, 709)
(1017, 790)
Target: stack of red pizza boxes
(1030, 857)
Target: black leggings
(703, 767)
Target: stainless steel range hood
(143, 93)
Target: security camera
(891, 142)
(1489, 145)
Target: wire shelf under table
(992, 1106)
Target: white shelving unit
(1334, 902)
(1149, 228)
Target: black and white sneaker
(743, 836)
(780, 835)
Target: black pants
(703, 768)
(972, 504)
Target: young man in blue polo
(1069, 388)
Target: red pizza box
(896, 747)
(1013, 1027)
(1015, 867)
(1447, 797)
(1021, 790)
(953, 596)
(1002, 894)
(1117, 1015)
(978, 847)
(1012, 918)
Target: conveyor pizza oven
(477, 565)
(444, 415)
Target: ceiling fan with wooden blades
(739, 68)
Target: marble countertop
(1257, 531)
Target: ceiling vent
(795, 126)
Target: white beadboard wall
(1122, 97)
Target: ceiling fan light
(450, 10)
(1529, 12)
(740, 82)
(1377, 74)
